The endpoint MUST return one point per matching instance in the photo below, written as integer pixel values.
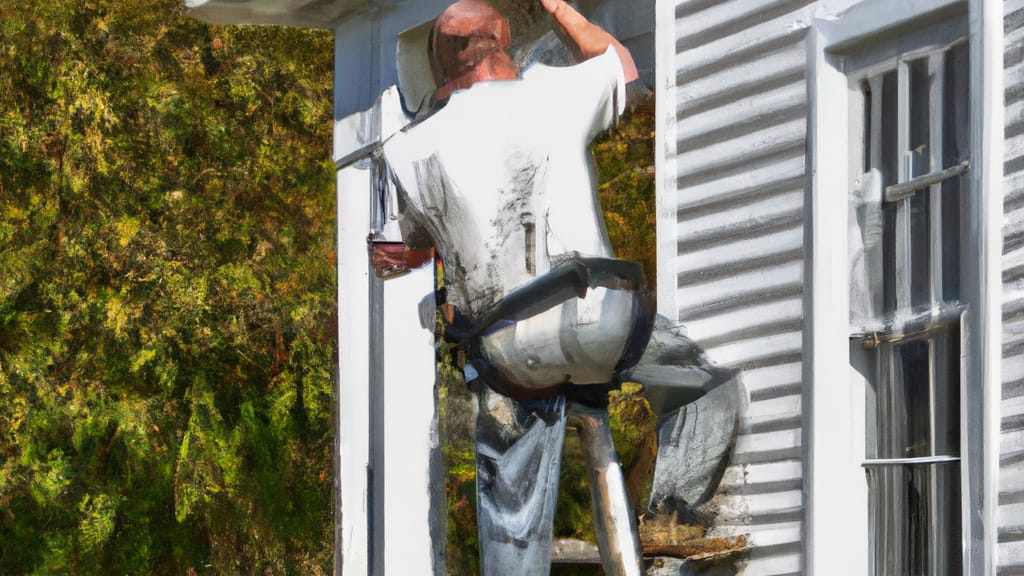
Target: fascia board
(276, 12)
(871, 18)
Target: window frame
(834, 407)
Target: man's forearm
(585, 38)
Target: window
(909, 125)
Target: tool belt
(573, 278)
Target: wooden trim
(897, 192)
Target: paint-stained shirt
(502, 177)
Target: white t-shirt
(502, 178)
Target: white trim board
(827, 498)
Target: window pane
(866, 90)
(946, 392)
(919, 151)
(909, 401)
(915, 510)
(889, 257)
(956, 106)
(954, 209)
(920, 251)
(890, 129)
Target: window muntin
(912, 202)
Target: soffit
(304, 13)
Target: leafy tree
(166, 292)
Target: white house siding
(735, 195)
(1011, 471)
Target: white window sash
(833, 431)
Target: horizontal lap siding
(1011, 470)
(739, 166)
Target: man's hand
(395, 258)
(586, 39)
(551, 5)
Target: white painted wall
(731, 175)
(738, 257)
(412, 487)
(353, 393)
(1011, 441)
(392, 513)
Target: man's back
(502, 179)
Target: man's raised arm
(587, 39)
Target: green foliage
(624, 157)
(166, 292)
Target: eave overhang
(302, 13)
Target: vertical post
(835, 496)
(354, 48)
(353, 426)
(617, 537)
(665, 159)
(391, 507)
(414, 525)
(981, 405)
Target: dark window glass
(919, 132)
(890, 129)
(917, 510)
(889, 257)
(954, 210)
(909, 402)
(866, 90)
(946, 393)
(956, 106)
(920, 250)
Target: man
(500, 178)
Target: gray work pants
(519, 451)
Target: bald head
(469, 43)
